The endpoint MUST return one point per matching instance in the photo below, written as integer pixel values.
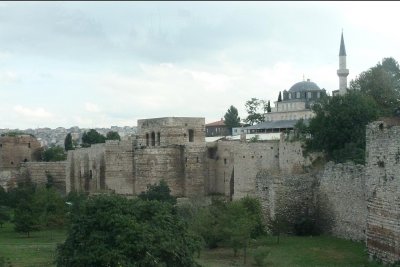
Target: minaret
(342, 72)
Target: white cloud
(91, 107)
(32, 112)
(8, 76)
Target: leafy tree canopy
(92, 137)
(55, 153)
(382, 83)
(112, 135)
(253, 109)
(25, 219)
(338, 128)
(160, 192)
(114, 231)
(232, 118)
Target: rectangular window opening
(191, 135)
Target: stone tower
(342, 72)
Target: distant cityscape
(56, 137)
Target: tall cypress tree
(68, 142)
(232, 118)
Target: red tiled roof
(216, 123)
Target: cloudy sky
(98, 64)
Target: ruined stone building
(17, 149)
(172, 149)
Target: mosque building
(296, 103)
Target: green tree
(24, 191)
(239, 222)
(252, 108)
(207, 223)
(338, 129)
(160, 192)
(92, 137)
(25, 218)
(4, 215)
(382, 83)
(232, 118)
(3, 197)
(112, 135)
(301, 130)
(115, 231)
(269, 107)
(55, 153)
(68, 145)
(50, 208)
(280, 97)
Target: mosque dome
(304, 86)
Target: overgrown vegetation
(94, 137)
(231, 224)
(55, 153)
(338, 129)
(111, 230)
(152, 230)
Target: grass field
(36, 251)
(323, 251)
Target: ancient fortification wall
(171, 131)
(17, 149)
(119, 175)
(221, 164)
(383, 190)
(154, 164)
(38, 173)
(291, 159)
(352, 201)
(290, 195)
(86, 169)
(195, 170)
(342, 200)
(249, 159)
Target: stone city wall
(195, 171)
(17, 149)
(221, 159)
(342, 200)
(153, 164)
(291, 158)
(249, 159)
(383, 190)
(292, 196)
(38, 172)
(86, 169)
(119, 175)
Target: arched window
(158, 138)
(153, 139)
(147, 139)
